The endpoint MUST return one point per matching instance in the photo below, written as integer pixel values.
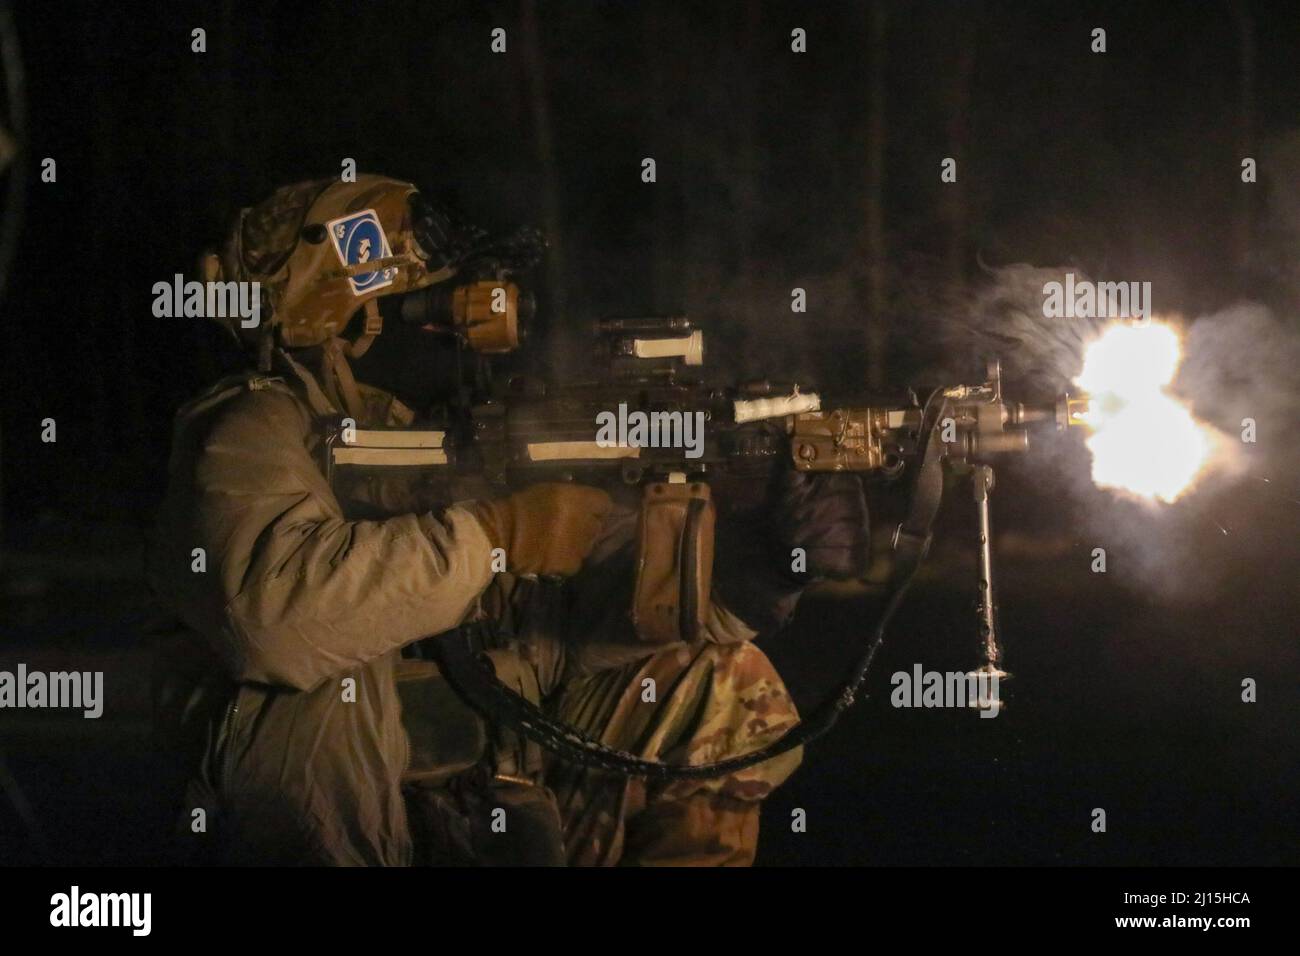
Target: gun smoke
(1239, 367)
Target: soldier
(321, 735)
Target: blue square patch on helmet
(359, 238)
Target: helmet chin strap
(339, 383)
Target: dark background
(775, 170)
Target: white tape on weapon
(758, 409)
(404, 438)
(578, 451)
(389, 456)
(689, 347)
(405, 447)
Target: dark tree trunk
(876, 272)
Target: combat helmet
(322, 250)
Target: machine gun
(647, 418)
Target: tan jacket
(295, 599)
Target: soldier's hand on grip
(760, 575)
(546, 528)
(825, 515)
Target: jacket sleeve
(292, 592)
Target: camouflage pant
(707, 702)
(711, 702)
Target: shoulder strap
(320, 405)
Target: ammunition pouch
(674, 568)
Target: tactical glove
(826, 515)
(547, 528)
(759, 574)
